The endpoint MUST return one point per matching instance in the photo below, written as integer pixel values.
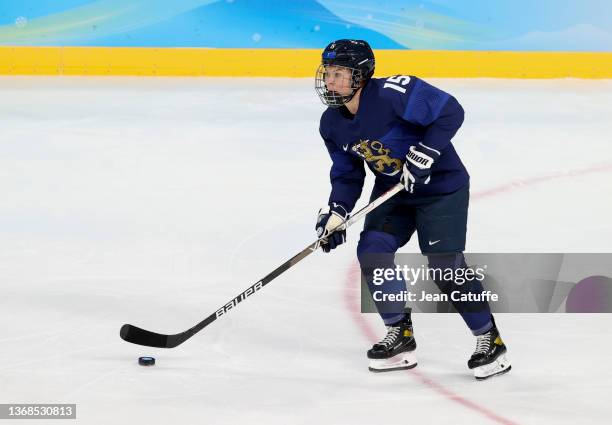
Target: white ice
(154, 201)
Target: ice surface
(154, 201)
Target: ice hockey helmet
(357, 56)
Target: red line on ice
(517, 184)
(351, 297)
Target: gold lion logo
(376, 154)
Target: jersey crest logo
(377, 156)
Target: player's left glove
(330, 217)
(417, 168)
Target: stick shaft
(136, 335)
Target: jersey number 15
(392, 83)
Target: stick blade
(136, 335)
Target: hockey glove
(330, 217)
(417, 168)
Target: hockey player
(401, 127)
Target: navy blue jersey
(394, 114)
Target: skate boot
(397, 350)
(489, 358)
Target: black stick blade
(139, 336)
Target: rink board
(295, 62)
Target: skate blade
(405, 360)
(500, 366)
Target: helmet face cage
(333, 98)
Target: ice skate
(396, 351)
(489, 358)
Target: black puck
(146, 361)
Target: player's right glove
(329, 218)
(417, 168)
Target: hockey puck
(146, 361)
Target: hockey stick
(136, 335)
